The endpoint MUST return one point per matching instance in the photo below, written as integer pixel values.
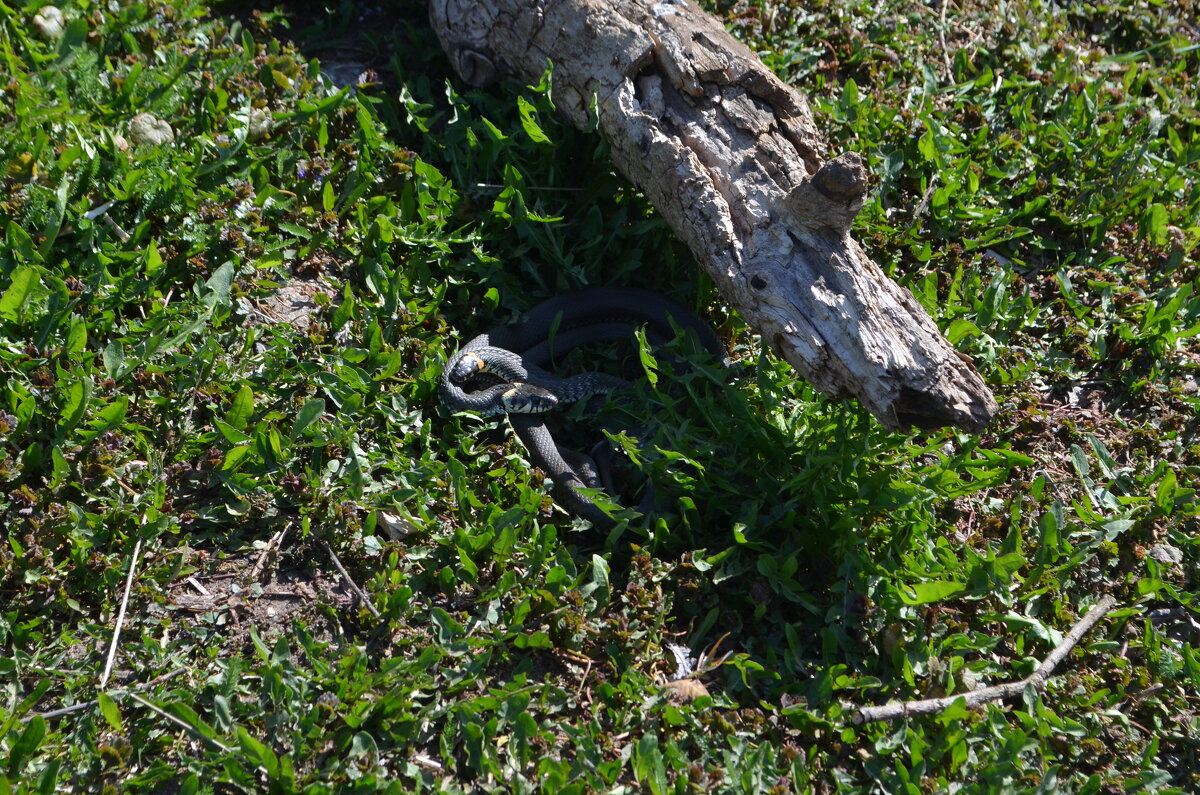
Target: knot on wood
(833, 196)
(843, 179)
(475, 67)
(464, 27)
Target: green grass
(150, 397)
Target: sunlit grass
(224, 346)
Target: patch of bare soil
(237, 591)
(294, 303)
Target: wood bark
(733, 159)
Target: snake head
(468, 364)
(522, 398)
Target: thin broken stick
(271, 547)
(362, 595)
(112, 647)
(187, 727)
(58, 713)
(997, 692)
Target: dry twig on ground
(974, 698)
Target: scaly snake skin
(518, 354)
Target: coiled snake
(517, 355)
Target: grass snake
(517, 356)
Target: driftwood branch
(733, 159)
(974, 698)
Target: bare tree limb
(974, 698)
(733, 159)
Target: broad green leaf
(77, 336)
(648, 766)
(601, 591)
(309, 413)
(181, 336)
(1164, 492)
(222, 715)
(110, 711)
(850, 97)
(467, 568)
(933, 591)
(529, 122)
(48, 780)
(295, 229)
(268, 444)
(446, 629)
(647, 359)
(391, 364)
(281, 652)
(258, 751)
(20, 243)
(1031, 626)
(1149, 585)
(107, 418)
(345, 309)
(961, 328)
(54, 218)
(60, 469)
(532, 640)
(1079, 459)
(114, 359)
(232, 434)
(1108, 464)
(219, 285)
(153, 260)
(235, 457)
(19, 290)
(363, 744)
(25, 745)
(189, 716)
(74, 36)
(241, 409)
(76, 405)
(927, 147)
(1156, 224)
(1116, 527)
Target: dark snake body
(520, 352)
(525, 388)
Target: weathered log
(732, 158)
